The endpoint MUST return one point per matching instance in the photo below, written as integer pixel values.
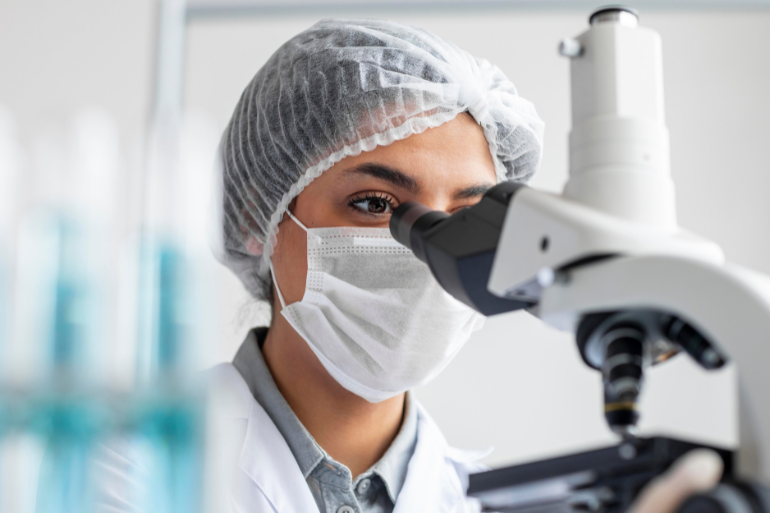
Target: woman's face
(445, 168)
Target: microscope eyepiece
(460, 248)
(410, 221)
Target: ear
(250, 241)
(253, 246)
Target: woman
(345, 122)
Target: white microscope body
(610, 242)
(606, 261)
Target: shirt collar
(393, 465)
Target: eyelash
(369, 196)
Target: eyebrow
(389, 174)
(404, 181)
(473, 191)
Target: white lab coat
(264, 476)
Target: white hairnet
(340, 88)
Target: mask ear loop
(299, 223)
(272, 270)
(277, 288)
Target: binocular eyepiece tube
(410, 221)
(460, 248)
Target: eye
(373, 203)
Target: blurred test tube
(60, 297)
(171, 325)
(10, 166)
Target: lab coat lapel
(432, 482)
(271, 468)
(268, 477)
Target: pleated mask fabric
(373, 313)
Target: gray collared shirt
(330, 482)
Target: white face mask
(373, 313)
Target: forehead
(456, 151)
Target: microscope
(606, 260)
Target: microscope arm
(730, 305)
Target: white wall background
(517, 386)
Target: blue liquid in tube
(62, 411)
(170, 415)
